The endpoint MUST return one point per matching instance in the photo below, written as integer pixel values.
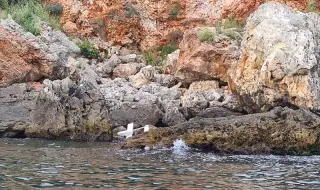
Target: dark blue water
(40, 164)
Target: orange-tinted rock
(150, 23)
(206, 60)
(20, 59)
(27, 58)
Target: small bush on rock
(231, 22)
(55, 9)
(4, 4)
(88, 50)
(175, 11)
(206, 35)
(27, 13)
(312, 6)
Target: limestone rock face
(69, 110)
(138, 113)
(26, 58)
(280, 61)
(206, 60)
(17, 103)
(151, 23)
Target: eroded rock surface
(280, 131)
(27, 58)
(280, 61)
(71, 110)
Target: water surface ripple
(41, 164)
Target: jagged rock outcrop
(26, 58)
(71, 110)
(280, 131)
(17, 104)
(208, 58)
(280, 61)
(151, 23)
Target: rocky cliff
(148, 23)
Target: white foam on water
(179, 147)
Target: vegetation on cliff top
(27, 13)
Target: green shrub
(231, 22)
(175, 11)
(26, 13)
(230, 33)
(156, 56)
(4, 4)
(206, 35)
(167, 49)
(55, 9)
(152, 58)
(88, 50)
(312, 6)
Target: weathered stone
(281, 59)
(165, 80)
(206, 60)
(126, 70)
(215, 112)
(171, 62)
(280, 131)
(145, 76)
(26, 58)
(105, 69)
(173, 116)
(134, 112)
(204, 85)
(71, 110)
(128, 58)
(17, 103)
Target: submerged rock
(280, 131)
(280, 61)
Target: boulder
(17, 103)
(145, 76)
(206, 60)
(26, 58)
(134, 112)
(105, 69)
(280, 61)
(280, 131)
(71, 110)
(128, 58)
(126, 70)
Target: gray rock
(135, 112)
(126, 70)
(215, 112)
(281, 59)
(17, 103)
(71, 110)
(194, 101)
(128, 58)
(105, 69)
(173, 116)
(145, 76)
(165, 80)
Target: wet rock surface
(280, 131)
